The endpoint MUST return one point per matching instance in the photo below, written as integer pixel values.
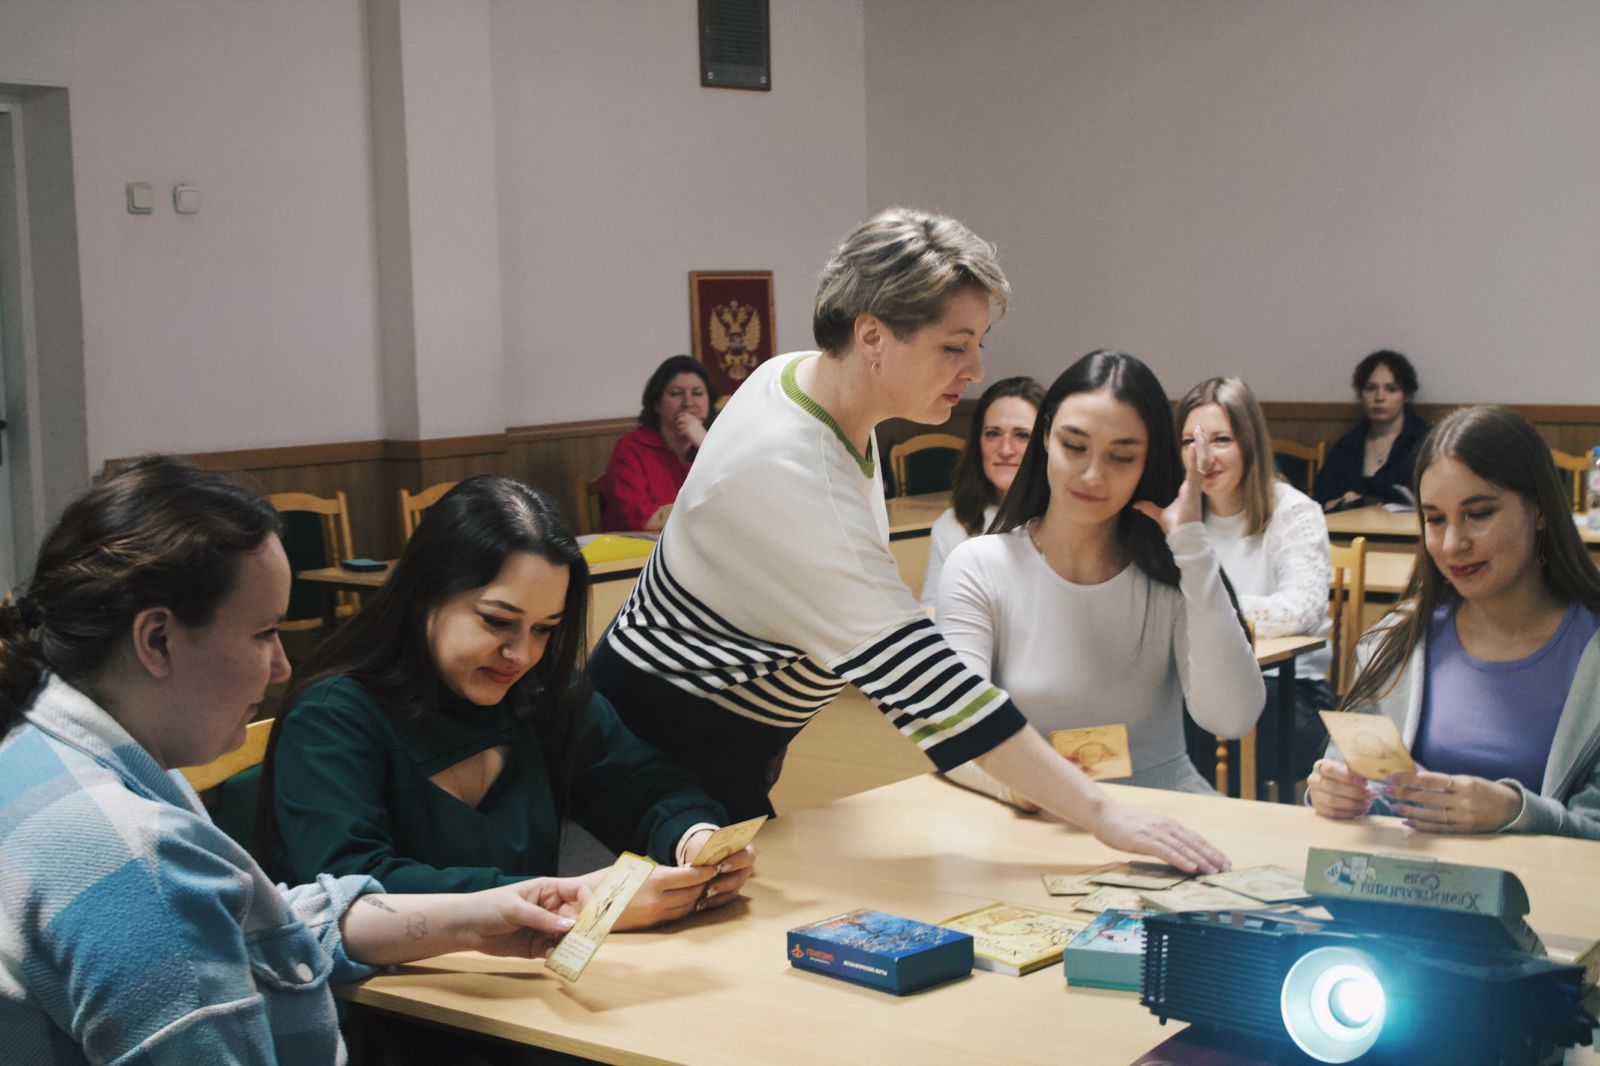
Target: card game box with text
(883, 951)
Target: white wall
(619, 174)
(254, 322)
(1270, 188)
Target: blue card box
(881, 951)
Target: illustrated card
(1140, 875)
(1014, 938)
(726, 841)
(1196, 896)
(1370, 744)
(1269, 884)
(1075, 880)
(1107, 898)
(1100, 751)
(626, 876)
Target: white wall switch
(141, 201)
(186, 199)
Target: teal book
(883, 951)
(1108, 953)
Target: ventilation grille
(735, 45)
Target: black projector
(1341, 990)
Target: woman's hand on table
(1343, 501)
(671, 892)
(1186, 506)
(1143, 832)
(1451, 803)
(1336, 791)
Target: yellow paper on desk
(594, 922)
(1100, 751)
(1370, 744)
(726, 841)
(611, 546)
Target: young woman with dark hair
(1372, 462)
(650, 462)
(779, 588)
(988, 464)
(1490, 663)
(439, 737)
(1099, 600)
(135, 929)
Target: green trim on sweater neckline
(792, 389)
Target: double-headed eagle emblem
(735, 335)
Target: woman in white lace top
(1272, 542)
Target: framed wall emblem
(731, 312)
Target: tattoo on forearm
(377, 901)
(416, 927)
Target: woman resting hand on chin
(135, 929)
(1490, 663)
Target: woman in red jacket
(648, 465)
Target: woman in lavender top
(1490, 663)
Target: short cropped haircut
(901, 266)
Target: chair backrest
(316, 533)
(412, 506)
(591, 504)
(1299, 463)
(248, 754)
(1347, 602)
(1572, 469)
(924, 463)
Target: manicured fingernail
(700, 906)
(709, 893)
(722, 867)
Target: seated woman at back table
(999, 435)
(135, 930)
(1372, 463)
(1490, 663)
(1095, 604)
(437, 740)
(1272, 542)
(650, 462)
(774, 586)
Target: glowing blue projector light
(1333, 1004)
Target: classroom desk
(1280, 652)
(717, 989)
(1377, 524)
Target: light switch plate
(141, 201)
(186, 199)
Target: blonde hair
(901, 266)
(1249, 427)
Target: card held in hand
(1370, 744)
(626, 876)
(726, 841)
(1100, 751)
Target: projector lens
(1332, 1004)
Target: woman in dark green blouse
(437, 740)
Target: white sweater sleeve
(1296, 543)
(1216, 664)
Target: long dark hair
(971, 491)
(156, 533)
(661, 377)
(1133, 383)
(460, 545)
(1500, 446)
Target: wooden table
(717, 990)
(1377, 524)
(1281, 652)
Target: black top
(1341, 472)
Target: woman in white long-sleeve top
(1100, 601)
(1272, 542)
(773, 586)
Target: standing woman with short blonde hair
(773, 587)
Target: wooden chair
(250, 753)
(1347, 601)
(306, 553)
(928, 475)
(412, 506)
(590, 503)
(236, 777)
(1303, 456)
(1572, 469)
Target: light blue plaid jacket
(135, 932)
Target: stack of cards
(1015, 940)
(1154, 886)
